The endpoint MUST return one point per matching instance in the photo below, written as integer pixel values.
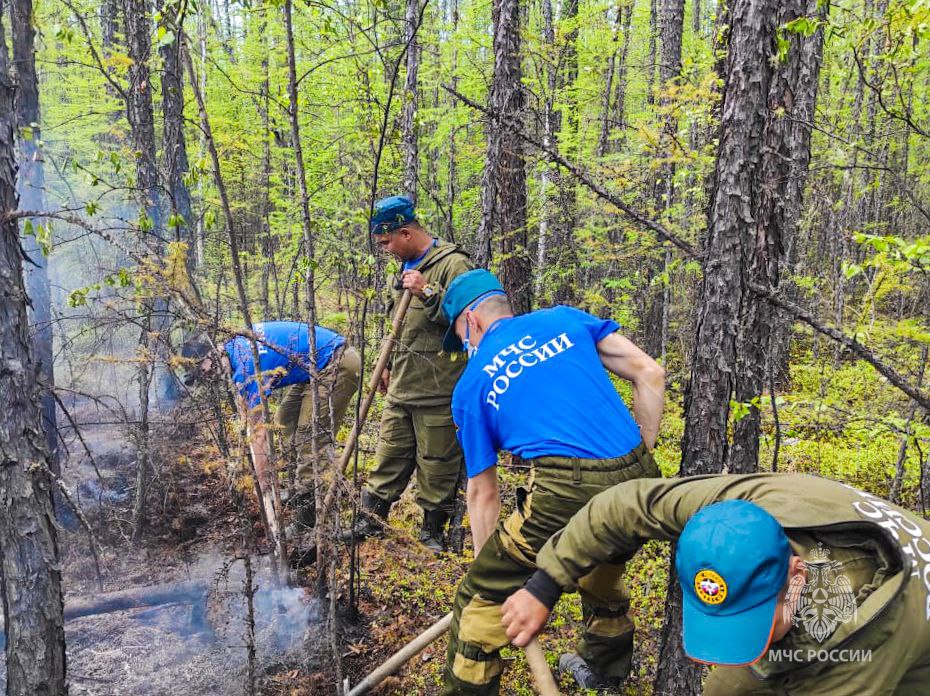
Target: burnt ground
(188, 645)
(199, 532)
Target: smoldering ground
(201, 639)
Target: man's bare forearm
(648, 403)
(484, 507)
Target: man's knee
(474, 664)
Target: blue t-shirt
(283, 354)
(537, 387)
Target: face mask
(469, 349)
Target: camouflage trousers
(337, 384)
(557, 489)
(417, 439)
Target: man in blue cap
(792, 584)
(537, 386)
(416, 434)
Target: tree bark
(31, 185)
(670, 26)
(175, 147)
(506, 160)
(31, 581)
(730, 236)
(777, 206)
(409, 130)
(566, 254)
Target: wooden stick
(542, 675)
(386, 348)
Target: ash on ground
(194, 648)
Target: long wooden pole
(352, 440)
(542, 675)
(386, 348)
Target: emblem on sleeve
(709, 587)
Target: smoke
(190, 643)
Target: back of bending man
(284, 363)
(791, 584)
(535, 386)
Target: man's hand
(385, 381)
(523, 616)
(414, 282)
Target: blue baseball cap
(463, 291)
(390, 213)
(732, 561)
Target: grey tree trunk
(451, 188)
(505, 157)
(730, 235)
(409, 130)
(174, 145)
(563, 236)
(617, 59)
(777, 206)
(140, 115)
(670, 22)
(31, 184)
(618, 113)
(30, 582)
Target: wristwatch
(428, 291)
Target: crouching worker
(791, 583)
(536, 386)
(284, 361)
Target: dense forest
(741, 186)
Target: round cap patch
(710, 587)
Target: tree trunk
(31, 185)
(563, 238)
(31, 582)
(618, 113)
(730, 235)
(451, 187)
(409, 130)
(777, 203)
(505, 157)
(671, 18)
(175, 147)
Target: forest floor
(200, 533)
(198, 536)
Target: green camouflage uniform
(417, 433)
(338, 381)
(557, 489)
(857, 548)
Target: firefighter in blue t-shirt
(284, 361)
(536, 386)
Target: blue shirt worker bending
(536, 386)
(284, 363)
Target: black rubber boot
(371, 520)
(432, 533)
(586, 677)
